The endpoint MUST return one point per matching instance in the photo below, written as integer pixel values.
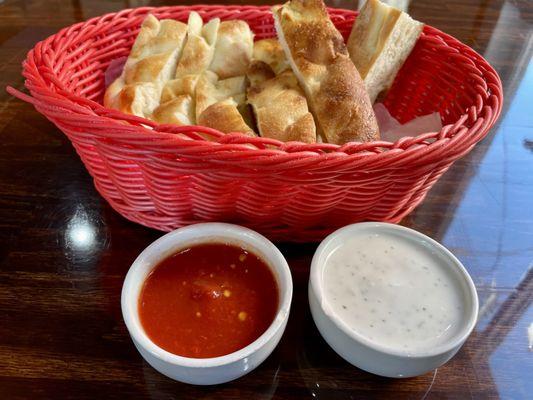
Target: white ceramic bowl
(369, 355)
(206, 371)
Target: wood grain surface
(64, 252)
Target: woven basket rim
(405, 147)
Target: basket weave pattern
(166, 176)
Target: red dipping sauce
(208, 300)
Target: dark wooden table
(64, 252)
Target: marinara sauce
(208, 300)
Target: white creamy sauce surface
(393, 291)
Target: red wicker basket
(166, 176)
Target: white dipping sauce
(393, 291)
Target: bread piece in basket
(196, 88)
(151, 63)
(278, 102)
(178, 96)
(200, 46)
(218, 102)
(320, 60)
(178, 102)
(224, 116)
(233, 49)
(382, 38)
(270, 52)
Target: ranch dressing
(393, 291)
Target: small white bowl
(206, 371)
(371, 356)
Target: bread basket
(165, 176)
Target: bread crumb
(242, 315)
(227, 293)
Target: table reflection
(80, 233)
(84, 236)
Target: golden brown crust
(271, 53)
(320, 60)
(178, 97)
(279, 105)
(199, 47)
(278, 102)
(178, 102)
(218, 102)
(155, 52)
(364, 56)
(176, 87)
(149, 69)
(382, 38)
(224, 117)
(149, 66)
(345, 107)
(210, 90)
(178, 111)
(138, 99)
(158, 37)
(148, 32)
(233, 49)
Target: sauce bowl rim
(190, 235)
